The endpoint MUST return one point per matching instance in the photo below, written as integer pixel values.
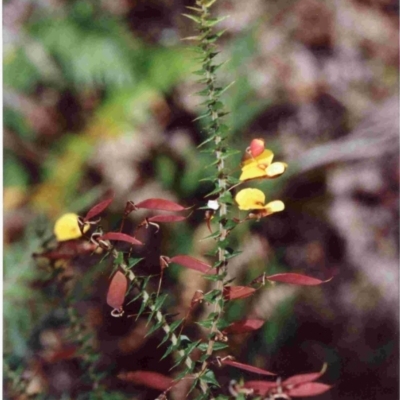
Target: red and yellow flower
(254, 200)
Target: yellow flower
(254, 199)
(262, 167)
(67, 228)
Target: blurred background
(99, 97)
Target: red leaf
(166, 218)
(150, 379)
(122, 237)
(296, 279)
(64, 353)
(302, 378)
(98, 208)
(260, 387)
(246, 367)
(117, 290)
(160, 204)
(245, 325)
(308, 389)
(237, 292)
(192, 263)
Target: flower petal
(250, 199)
(265, 157)
(252, 172)
(274, 206)
(275, 169)
(67, 228)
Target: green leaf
(199, 10)
(169, 351)
(156, 326)
(142, 308)
(212, 295)
(217, 346)
(230, 224)
(209, 377)
(207, 323)
(175, 324)
(226, 198)
(193, 18)
(210, 139)
(213, 21)
(134, 261)
(213, 278)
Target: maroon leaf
(308, 389)
(160, 204)
(243, 326)
(122, 237)
(192, 263)
(117, 290)
(98, 208)
(150, 379)
(166, 218)
(260, 387)
(246, 367)
(296, 279)
(237, 292)
(303, 378)
(65, 353)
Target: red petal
(246, 325)
(98, 208)
(302, 378)
(192, 263)
(260, 387)
(257, 147)
(296, 279)
(246, 367)
(117, 290)
(237, 292)
(160, 204)
(308, 389)
(150, 379)
(166, 218)
(122, 237)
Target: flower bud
(257, 146)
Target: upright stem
(222, 179)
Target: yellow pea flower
(262, 167)
(67, 227)
(254, 199)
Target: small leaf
(243, 326)
(308, 389)
(260, 387)
(237, 292)
(192, 263)
(150, 379)
(209, 377)
(117, 290)
(98, 208)
(193, 18)
(246, 367)
(133, 261)
(154, 328)
(122, 237)
(167, 218)
(296, 279)
(160, 204)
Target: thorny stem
(158, 315)
(222, 184)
